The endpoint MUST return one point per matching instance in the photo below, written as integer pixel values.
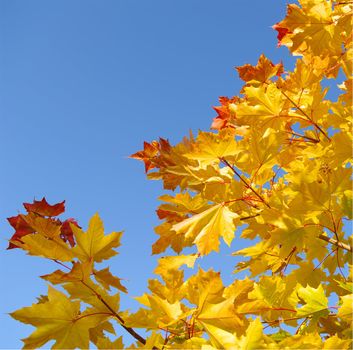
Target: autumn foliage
(276, 170)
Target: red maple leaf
(44, 209)
(282, 32)
(66, 231)
(148, 155)
(21, 229)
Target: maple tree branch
(336, 243)
(244, 181)
(329, 254)
(249, 217)
(276, 309)
(115, 314)
(304, 113)
(61, 264)
(303, 136)
(301, 324)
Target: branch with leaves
(276, 169)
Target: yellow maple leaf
(93, 244)
(210, 147)
(93, 294)
(106, 343)
(316, 302)
(58, 319)
(165, 264)
(107, 279)
(162, 313)
(314, 28)
(253, 338)
(264, 106)
(261, 73)
(79, 272)
(47, 241)
(335, 343)
(346, 309)
(207, 226)
(221, 315)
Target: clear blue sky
(83, 83)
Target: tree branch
(304, 113)
(121, 321)
(336, 243)
(244, 181)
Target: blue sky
(82, 85)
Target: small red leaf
(66, 231)
(282, 32)
(148, 154)
(21, 227)
(43, 208)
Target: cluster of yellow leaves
(280, 161)
(86, 310)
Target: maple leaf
(206, 227)
(220, 315)
(212, 147)
(46, 241)
(57, 319)
(93, 244)
(282, 32)
(43, 208)
(299, 341)
(107, 279)
(253, 338)
(280, 162)
(164, 313)
(224, 116)
(317, 27)
(315, 301)
(261, 73)
(263, 106)
(335, 343)
(346, 309)
(149, 153)
(66, 231)
(106, 343)
(165, 264)
(79, 272)
(22, 229)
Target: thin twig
(249, 217)
(128, 329)
(244, 181)
(333, 251)
(304, 113)
(60, 263)
(303, 136)
(304, 321)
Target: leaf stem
(93, 314)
